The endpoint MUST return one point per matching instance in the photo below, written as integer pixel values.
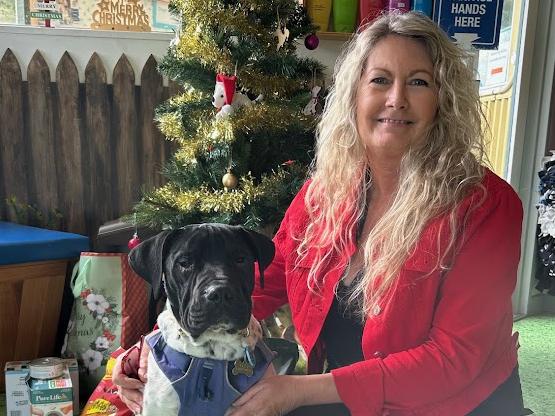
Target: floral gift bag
(110, 309)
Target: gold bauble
(229, 180)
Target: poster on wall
(493, 65)
(125, 15)
(8, 11)
(162, 19)
(45, 13)
(134, 15)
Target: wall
(137, 46)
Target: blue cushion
(24, 244)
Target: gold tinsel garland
(170, 125)
(209, 54)
(188, 96)
(194, 43)
(208, 200)
(260, 116)
(233, 19)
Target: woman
(399, 256)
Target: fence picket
(100, 178)
(41, 130)
(69, 165)
(151, 157)
(13, 157)
(127, 178)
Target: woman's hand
(271, 396)
(130, 389)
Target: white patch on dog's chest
(217, 344)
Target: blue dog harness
(206, 387)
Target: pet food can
(46, 368)
(50, 387)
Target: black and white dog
(200, 360)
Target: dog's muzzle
(218, 305)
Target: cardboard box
(17, 390)
(18, 398)
(74, 374)
(52, 396)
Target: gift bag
(110, 310)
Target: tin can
(46, 368)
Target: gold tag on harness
(242, 367)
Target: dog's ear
(262, 248)
(147, 260)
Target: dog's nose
(219, 294)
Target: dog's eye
(222, 96)
(185, 262)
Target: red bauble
(311, 42)
(134, 242)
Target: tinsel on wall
(546, 229)
(244, 141)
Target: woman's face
(396, 97)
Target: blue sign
(475, 22)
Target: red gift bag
(134, 308)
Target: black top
(342, 331)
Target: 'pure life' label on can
(64, 395)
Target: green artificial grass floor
(537, 362)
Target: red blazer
(443, 344)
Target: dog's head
(207, 271)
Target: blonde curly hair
(433, 178)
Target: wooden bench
(31, 291)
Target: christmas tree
(244, 143)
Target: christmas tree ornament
(234, 40)
(311, 42)
(282, 33)
(174, 43)
(312, 107)
(135, 240)
(226, 99)
(229, 180)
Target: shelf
(340, 36)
